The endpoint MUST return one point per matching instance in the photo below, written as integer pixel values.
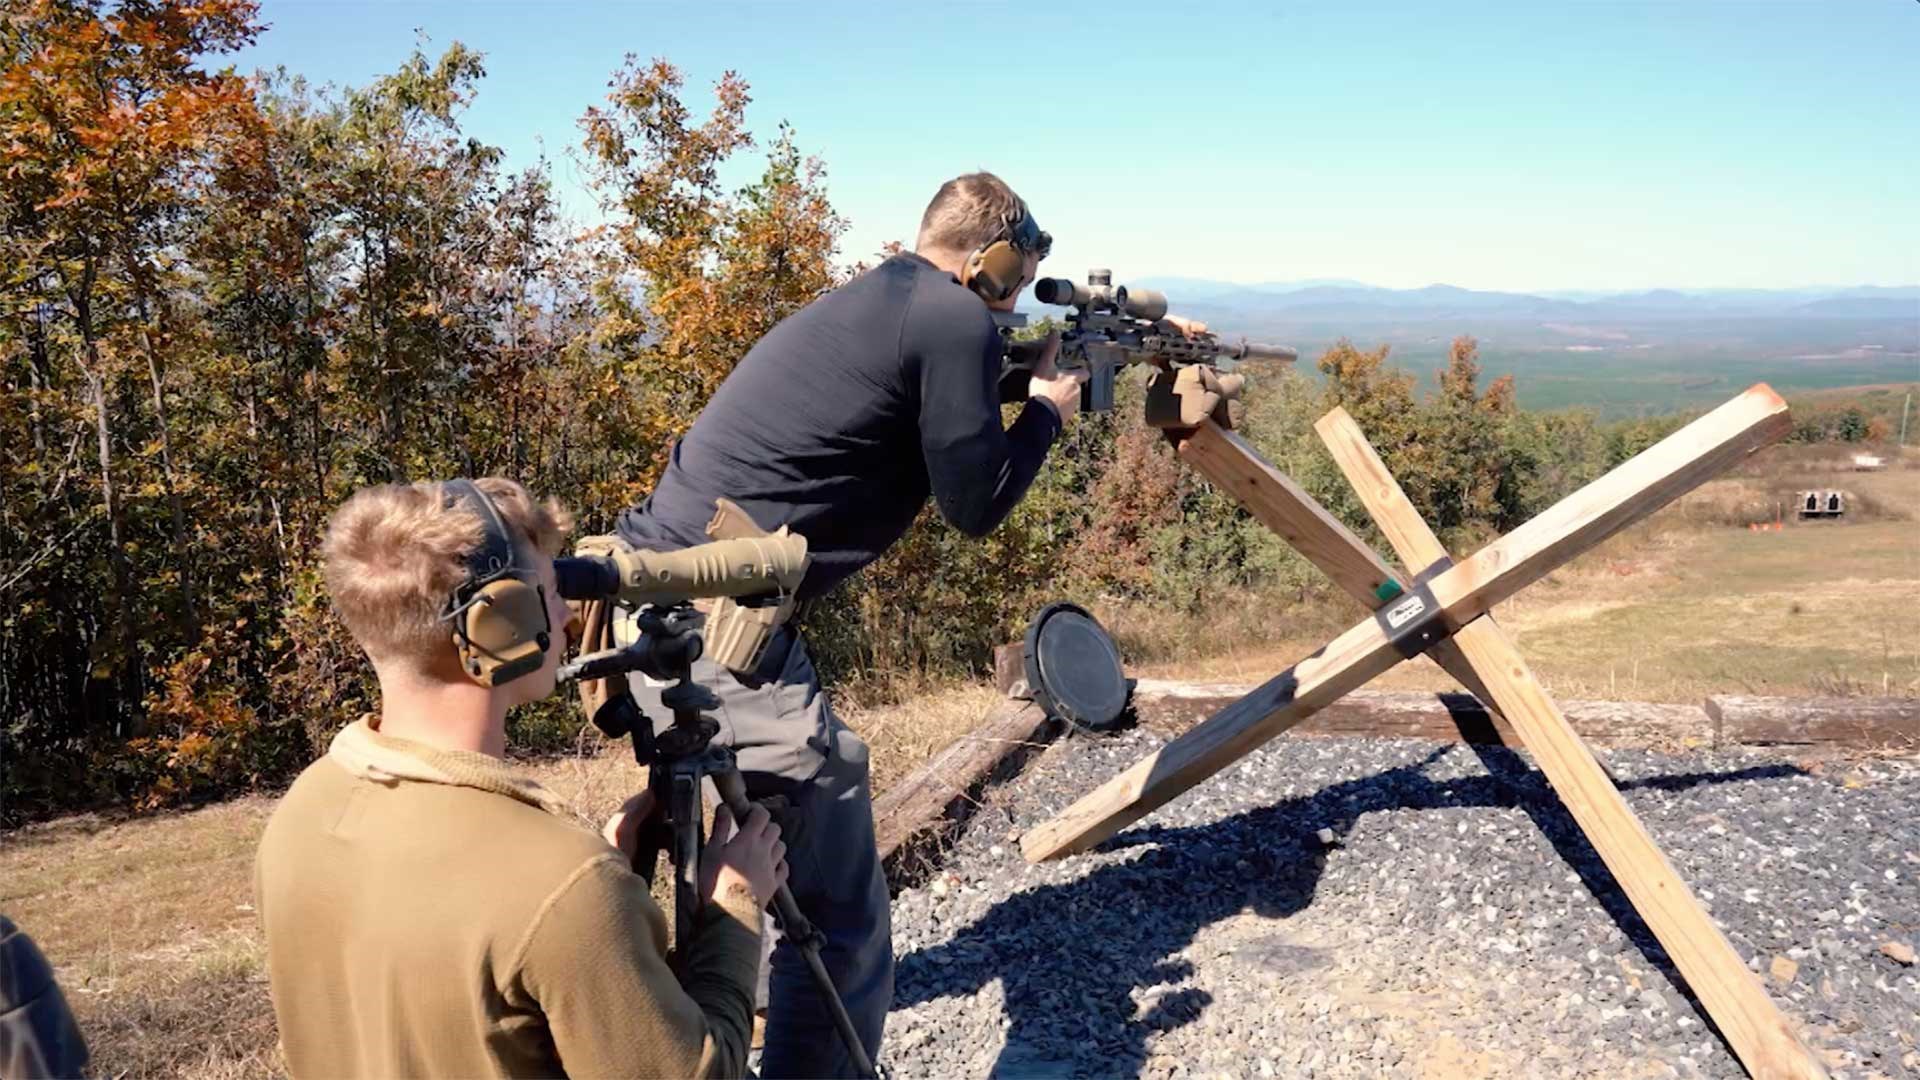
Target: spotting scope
(773, 563)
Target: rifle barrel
(1253, 350)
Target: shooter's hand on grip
(1061, 389)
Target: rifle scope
(1150, 304)
(1063, 291)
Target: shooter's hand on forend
(744, 567)
(1190, 328)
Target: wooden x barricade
(1442, 610)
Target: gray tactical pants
(792, 748)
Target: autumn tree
(1468, 463)
(106, 118)
(700, 273)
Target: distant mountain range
(1353, 300)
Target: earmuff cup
(996, 271)
(499, 613)
(505, 632)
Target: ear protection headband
(997, 270)
(499, 613)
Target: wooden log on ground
(1732, 996)
(938, 791)
(1623, 496)
(1448, 717)
(1867, 722)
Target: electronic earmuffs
(998, 270)
(499, 613)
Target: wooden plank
(1868, 722)
(925, 797)
(1752, 1023)
(1630, 492)
(1406, 531)
(1420, 714)
(1276, 705)
(1283, 506)
(1732, 996)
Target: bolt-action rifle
(1112, 326)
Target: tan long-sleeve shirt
(427, 914)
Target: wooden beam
(1753, 1025)
(1630, 492)
(1856, 721)
(1733, 997)
(1406, 531)
(1285, 507)
(927, 796)
(1276, 705)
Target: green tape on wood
(1388, 590)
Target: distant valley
(1621, 354)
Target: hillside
(1621, 354)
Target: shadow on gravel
(1070, 955)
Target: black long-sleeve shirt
(846, 416)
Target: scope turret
(1099, 289)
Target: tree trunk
(116, 547)
(182, 548)
(315, 446)
(38, 378)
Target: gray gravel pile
(1371, 907)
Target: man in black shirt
(839, 423)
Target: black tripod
(677, 760)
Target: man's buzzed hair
(967, 213)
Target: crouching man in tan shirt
(428, 912)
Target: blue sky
(1498, 145)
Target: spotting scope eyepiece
(586, 577)
(742, 567)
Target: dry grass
(1682, 605)
(150, 925)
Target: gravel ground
(1375, 907)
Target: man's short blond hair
(967, 213)
(394, 553)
